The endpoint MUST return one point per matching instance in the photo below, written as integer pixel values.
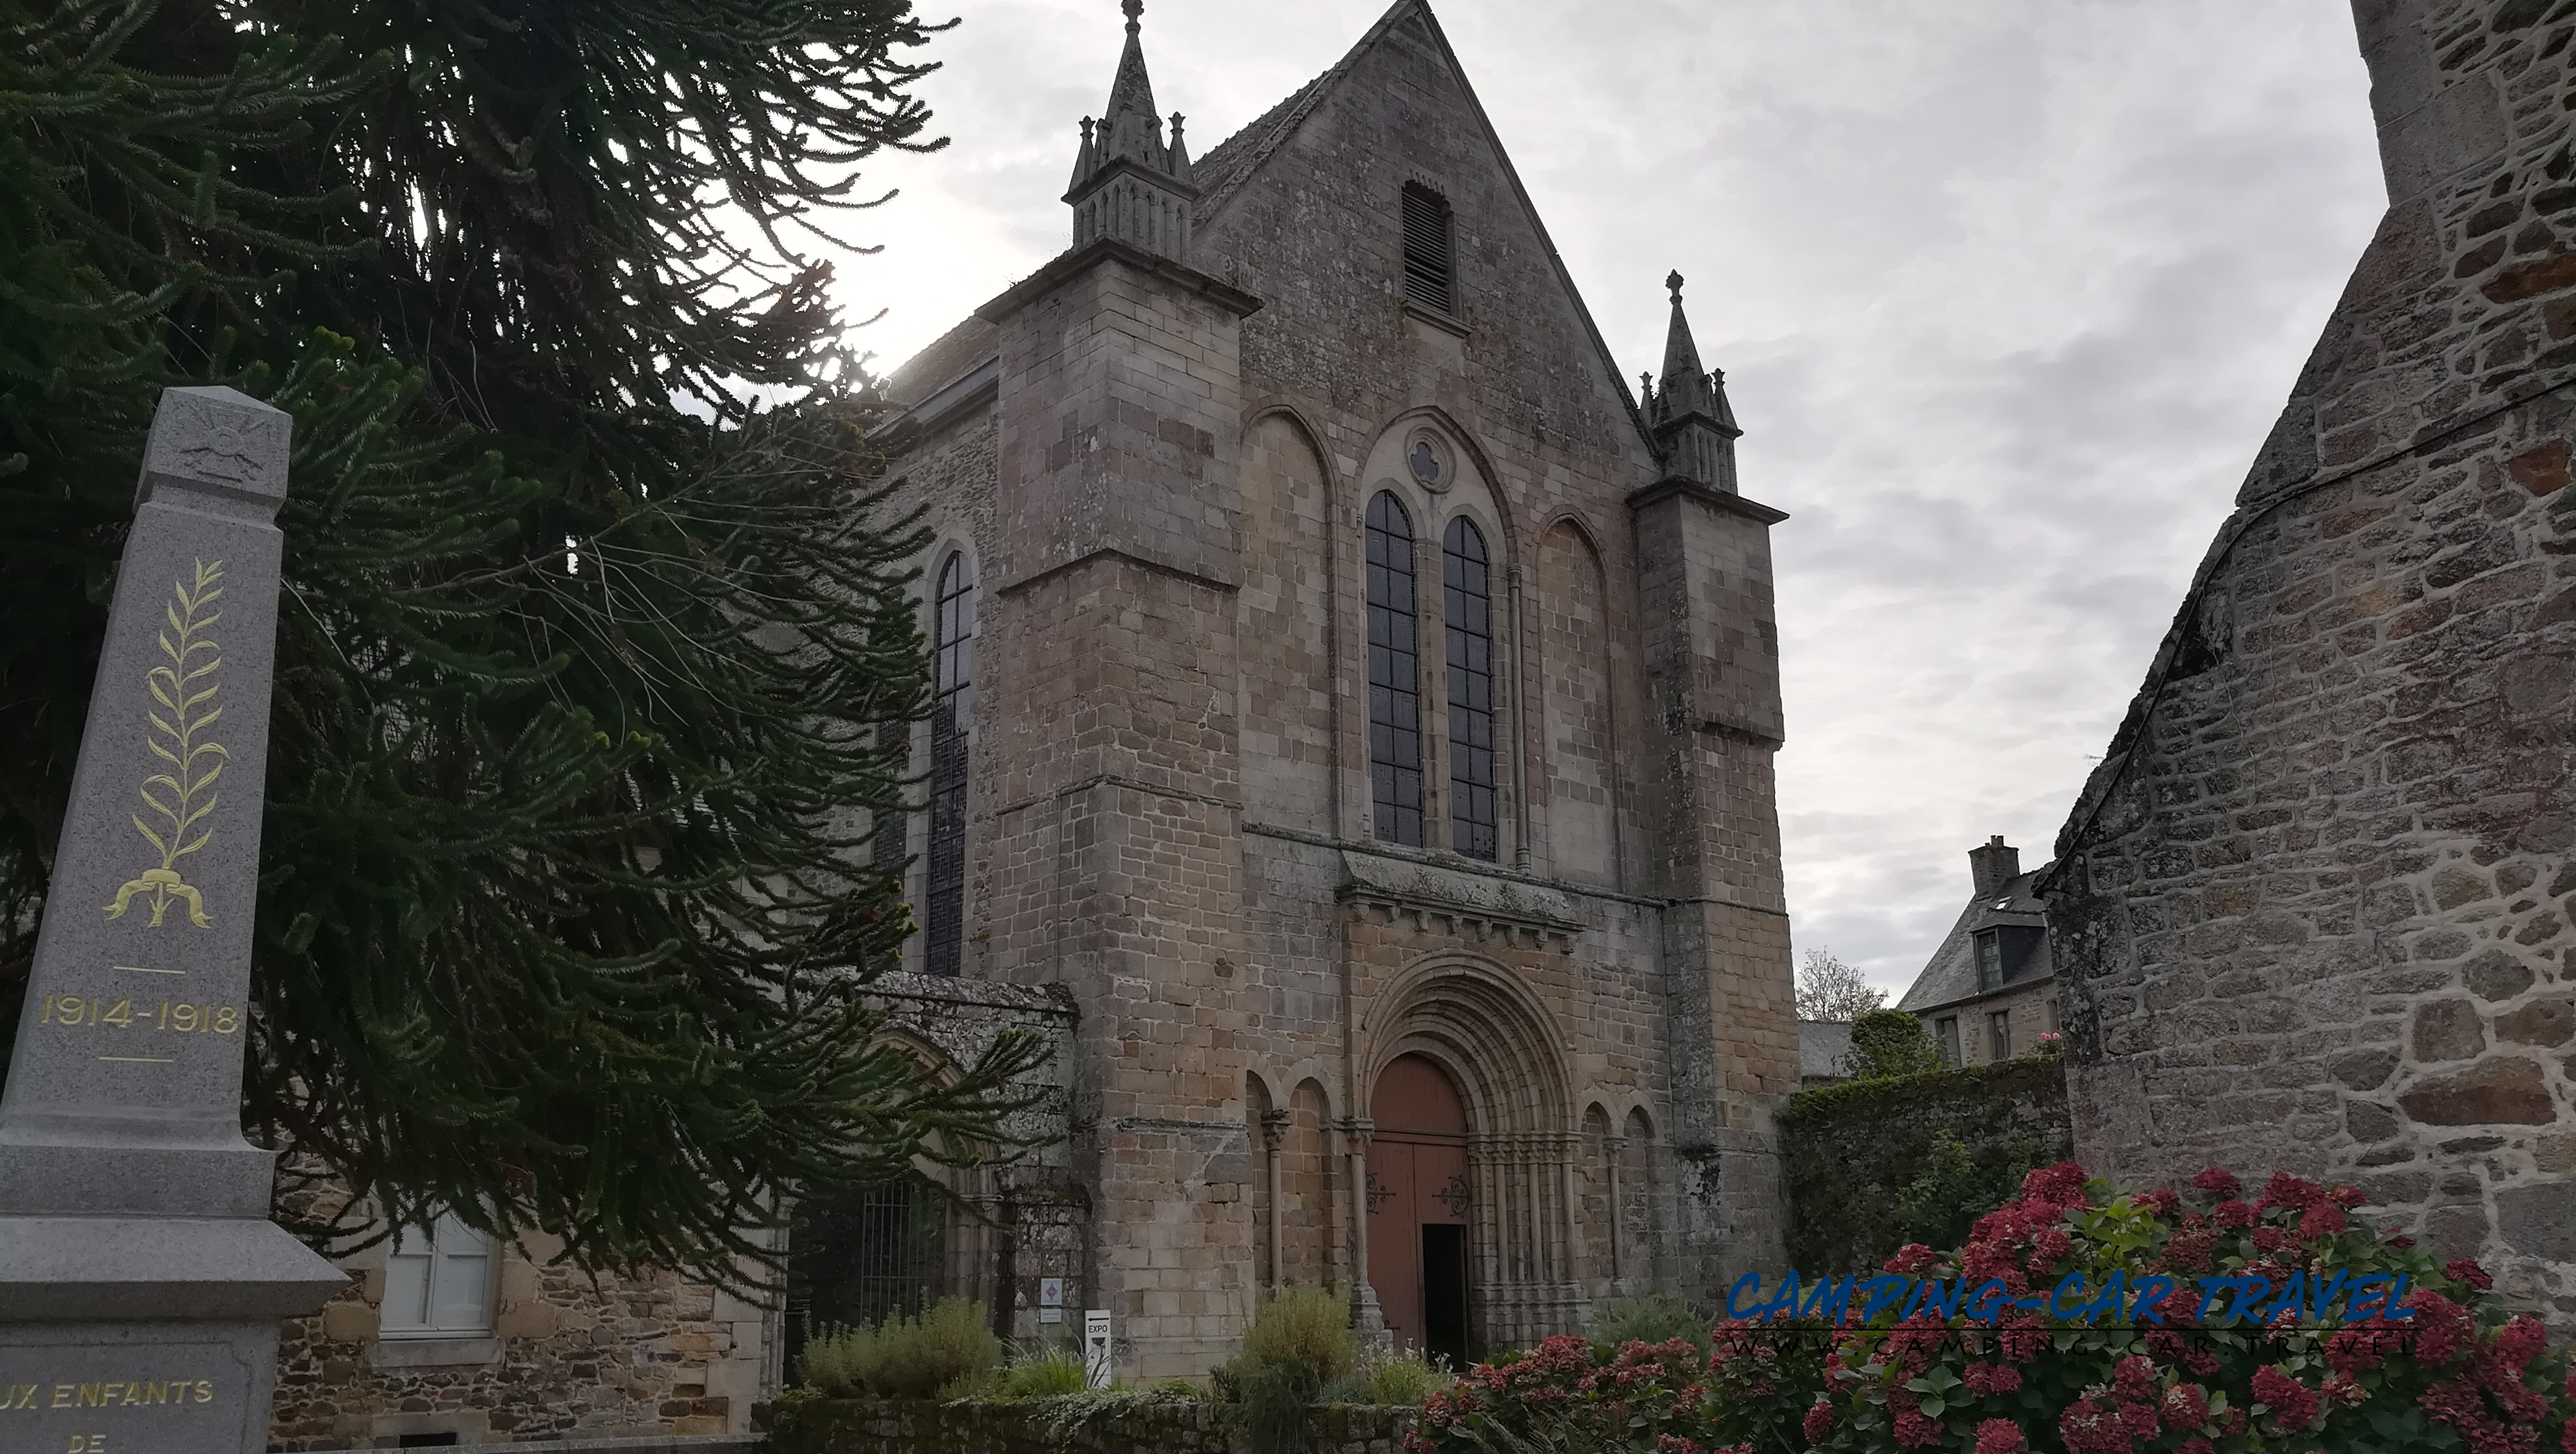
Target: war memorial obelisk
(141, 1280)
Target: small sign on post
(1095, 1348)
(1050, 1299)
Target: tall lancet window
(952, 641)
(1395, 675)
(1467, 577)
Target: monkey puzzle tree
(589, 612)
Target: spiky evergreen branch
(564, 893)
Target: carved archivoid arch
(1496, 1045)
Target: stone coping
(644, 1444)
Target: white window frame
(441, 1281)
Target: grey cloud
(2007, 292)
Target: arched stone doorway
(1419, 1197)
(1490, 1047)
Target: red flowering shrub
(2458, 1377)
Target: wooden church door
(1419, 1196)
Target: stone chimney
(1993, 865)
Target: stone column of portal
(1612, 1149)
(1366, 1315)
(142, 1281)
(1274, 1130)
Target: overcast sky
(2007, 292)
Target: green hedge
(1826, 1103)
(1855, 1152)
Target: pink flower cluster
(1921, 1379)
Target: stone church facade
(1354, 755)
(1362, 706)
(2313, 911)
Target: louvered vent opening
(1427, 273)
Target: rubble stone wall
(569, 1358)
(575, 1357)
(2314, 907)
(1049, 1426)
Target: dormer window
(1428, 275)
(1990, 960)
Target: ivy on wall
(1875, 1164)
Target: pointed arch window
(1395, 675)
(952, 643)
(1467, 584)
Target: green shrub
(1076, 1418)
(944, 1351)
(1954, 1187)
(1305, 1326)
(831, 1361)
(1268, 1403)
(1405, 1380)
(1891, 1043)
(1300, 1341)
(1049, 1370)
(1658, 1317)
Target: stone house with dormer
(1989, 992)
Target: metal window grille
(1428, 274)
(863, 1255)
(953, 675)
(886, 846)
(1467, 579)
(1395, 675)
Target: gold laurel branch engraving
(182, 797)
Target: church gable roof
(1235, 162)
(1224, 172)
(1233, 159)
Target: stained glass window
(952, 681)
(1467, 579)
(1395, 675)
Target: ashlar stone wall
(2314, 907)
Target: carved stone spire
(1128, 183)
(1694, 426)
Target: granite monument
(141, 1279)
